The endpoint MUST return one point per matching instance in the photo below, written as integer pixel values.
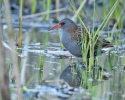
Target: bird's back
(85, 40)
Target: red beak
(54, 27)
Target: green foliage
(41, 62)
(89, 44)
(33, 7)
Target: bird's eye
(62, 23)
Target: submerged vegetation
(35, 64)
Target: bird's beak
(54, 27)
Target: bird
(72, 35)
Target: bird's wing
(82, 36)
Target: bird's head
(65, 24)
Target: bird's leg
(80, 63)
(71, 59)
(95, 61)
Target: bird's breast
(71, 45)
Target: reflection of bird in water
(71, 75)
(71, 79)
(74, 75)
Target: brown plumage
(73, 35)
